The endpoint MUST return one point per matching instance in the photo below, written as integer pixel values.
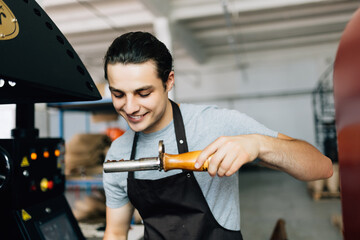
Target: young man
(181, 204)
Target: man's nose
(131, 106)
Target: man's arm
(118, 222)
(295, 157)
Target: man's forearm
(118, 222)
(296, 157)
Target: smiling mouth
(135, 118)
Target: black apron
(174, 207)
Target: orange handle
(184, 161)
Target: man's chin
(137, 127)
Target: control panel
(32, 170)
(32, 186)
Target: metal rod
(132, 165)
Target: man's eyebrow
(136, 90)
(144, 88)
(114, 89)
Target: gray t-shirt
(203, 125)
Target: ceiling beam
(277, 44)
(185, 11)
(280, 14)
(320, 22)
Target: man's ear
(170, 81)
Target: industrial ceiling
(200, 29)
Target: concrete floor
(265, 197)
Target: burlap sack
(85, 151)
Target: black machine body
(37, 65)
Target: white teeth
(135, 117)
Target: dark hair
(140, 47)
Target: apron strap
(133, 153)
(179, 129)
(133, 150)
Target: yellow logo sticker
(25, 215)
(25, 162)
(9, 26)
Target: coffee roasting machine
(37, 65)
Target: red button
(50, 184)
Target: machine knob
(26, 173)
(5, 167)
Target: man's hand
(229, 154)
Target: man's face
(139, 96)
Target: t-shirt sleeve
(115, 192)
(115, 185)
